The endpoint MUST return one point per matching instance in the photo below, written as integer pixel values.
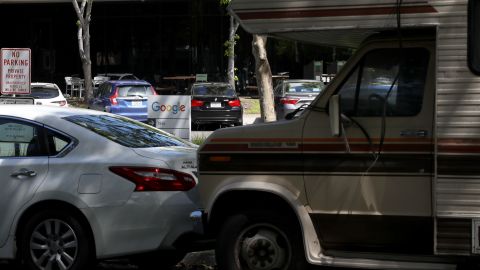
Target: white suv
(47, 94)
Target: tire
(260, 241)
(54, 240)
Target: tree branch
(78, 12)
(82, 9)
(236, 24)
(89, 10)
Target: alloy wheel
(53, 245)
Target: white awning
(331, 22)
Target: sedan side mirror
(334, 115)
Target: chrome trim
(197, 220)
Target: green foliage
(224, 2)
(198, 140)
(230, 45)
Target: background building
(151, 39)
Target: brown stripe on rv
(320, 140)
(299, 163)
(337, 147)
(334, 12)
(459, 146)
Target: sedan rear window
(126, 132)
(134, 90)
(304, 87)
(213, 90)
(44, 92)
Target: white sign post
(15, 69)
(171, 114)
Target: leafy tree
(84, 11)
(262, 69)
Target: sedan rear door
(23, 167)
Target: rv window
(364, 92)
(474, 36)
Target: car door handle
(414, 133)
(24, 172)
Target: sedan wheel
(54, 242)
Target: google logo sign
(176, 108)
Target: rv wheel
(259, 242)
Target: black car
(215, 102)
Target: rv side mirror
(334, 114)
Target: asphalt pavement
(204, 260)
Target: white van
(382, 170)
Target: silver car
(80, 185)
(292, 94)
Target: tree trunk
(264, 78)
(84, 17)
(231, 54)
(87, 64)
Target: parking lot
(204, 260)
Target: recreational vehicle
(382, 170)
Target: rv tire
(261, 240)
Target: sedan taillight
(61, 102)
(156, 179)
(292, 101)
(234, 103)
(197, 103)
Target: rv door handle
(24, 172)
(413, 133)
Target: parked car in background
(292, 94)
(127, 98)
(215, 102)
(47, 94)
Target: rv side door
(370, 189)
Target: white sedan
(80, 185)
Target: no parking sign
(15, 70)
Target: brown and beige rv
(382, 170)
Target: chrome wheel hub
(53, 245)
